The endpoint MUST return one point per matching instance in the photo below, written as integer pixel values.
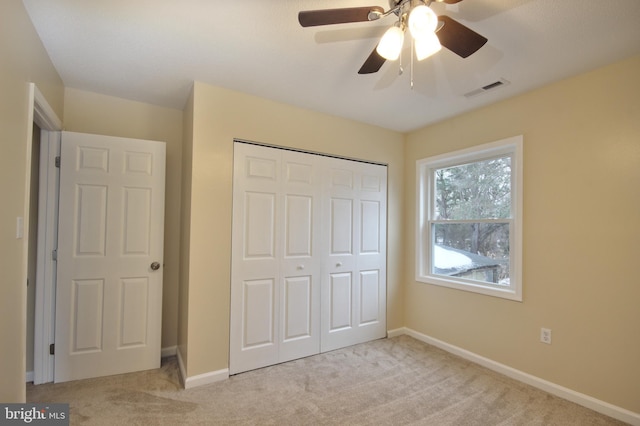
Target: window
(469, 210)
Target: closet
(308, 271)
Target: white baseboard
(169, 351)
(396, 332)
(29, 376)
(206, 378)
(200, 379)
(594, 404)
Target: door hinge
(58, 161)
(52, 349)
(54, 255)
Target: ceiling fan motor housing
(396, 3)
(403, 7)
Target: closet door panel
(370, 298)
(340, 309)
(258, 313)
(299, 226)
(255, 273)
(300, 265)
(356, 219)
(372, 257)
(341, 225)
(297, 308)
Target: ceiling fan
(428, 31)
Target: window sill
(509, 293)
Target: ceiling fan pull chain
(401, 70)
(411, 54)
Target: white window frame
(424, 209)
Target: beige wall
(219, 116)
(23, 60)
(88, 112)
(581, 232)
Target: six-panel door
(110, 231)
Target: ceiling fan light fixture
(390, 44)
(426, 46)
(422, 21)
(417, 16)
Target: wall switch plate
(545, 335)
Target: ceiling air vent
(487, 88)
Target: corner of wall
(185, 235)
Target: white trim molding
(200, 379)
(168, 351)
(396, 332)
(587, 401)
(44, 315)
(43, 115)
(206, 378)
(183, 371)
(427, 218)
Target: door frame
(50, 125)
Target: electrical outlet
(545, 335)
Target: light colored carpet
(398, 381)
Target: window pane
(480, 190)
(475, 251)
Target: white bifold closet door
(308, 256)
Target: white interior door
(110, 250)
(354, 276)
(275, 278)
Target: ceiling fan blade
(461, 40)
(373, 63)
(450, 1)
(312, 18)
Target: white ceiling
(152, 51)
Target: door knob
(339, 264)
(155, 266)
(301, 267)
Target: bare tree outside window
(466, 194)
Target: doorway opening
(44, 130)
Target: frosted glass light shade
(390, 44)
(427, 46)
(422, 21)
